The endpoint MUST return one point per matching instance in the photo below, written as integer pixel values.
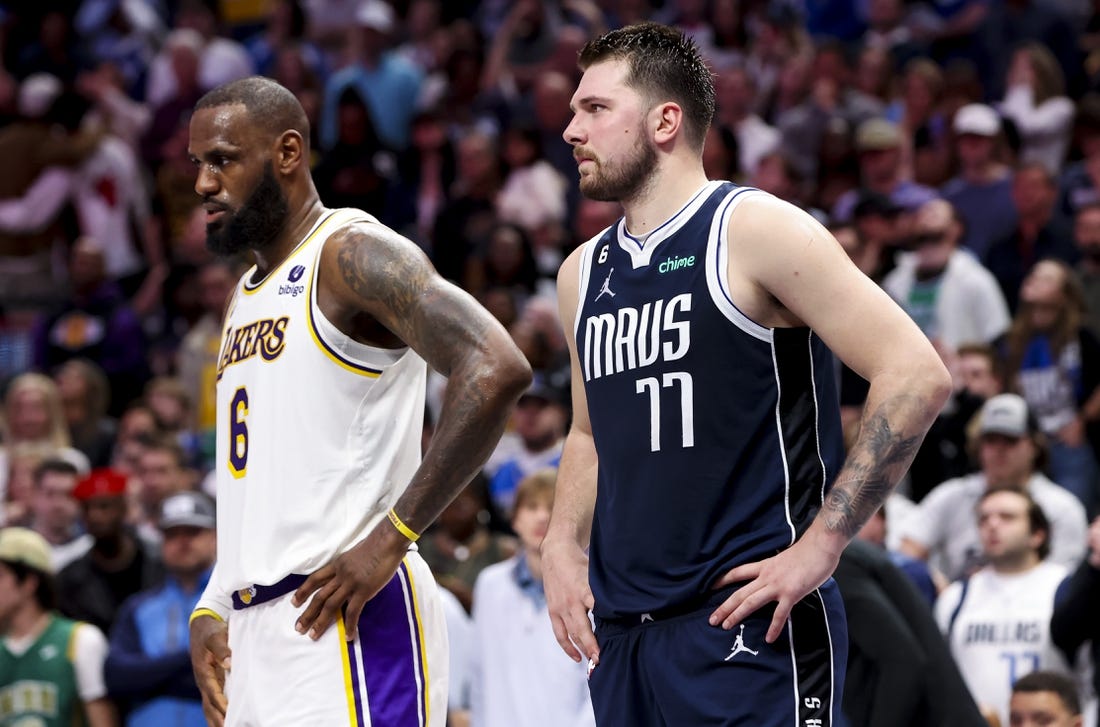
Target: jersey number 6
(238, 433)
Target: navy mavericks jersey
(717, 437)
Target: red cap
(101, 482)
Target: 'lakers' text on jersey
(317, 435)
(712, 430)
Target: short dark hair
(46, 591)
(269, 104)
(663, 64)
(1051, 681)
(1036, 519)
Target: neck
(30, 620)
(983, 172)
(1010, 564)
(54, 534)
(668, 190)
(114, 552)
(298, 223)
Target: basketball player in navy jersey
(321, 485)
(704, 500)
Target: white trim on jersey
(583, 274)
(641, 249)
(718, 265)
(782, 447)
(817, 412)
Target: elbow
(512, 373)
(938, 383)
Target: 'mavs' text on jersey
(266, 337)
(632, 338)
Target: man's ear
(667, 122)
(289, 152)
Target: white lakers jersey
(318, 435)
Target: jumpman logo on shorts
(606, 287)
(739, 645)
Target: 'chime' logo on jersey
(266, 337)
(632, 338)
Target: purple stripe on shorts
(389, 643)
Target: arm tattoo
(393, 282)
(877, 461)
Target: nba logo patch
(296, 273)
(246, 594)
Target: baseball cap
(978, 119)
(193, 509)
(544, 385)
(1005, 414)
(100, 482)
(375, 14)
(37, 93)
(877, 134)
(21, 545)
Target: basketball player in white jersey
(321, 488)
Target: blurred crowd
(952, 147)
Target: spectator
(33, 416)
(944, 290)
(533, 193)
(1045, 699)
(984, 183)
(162, 473)
(358, 170)
(519, 678)
(96, 323)
(460, 544)
(1086, 233)
(1011, 453)
(879, 144)
(1041, 232)
(148, 668)
(387, 82)
(737, 103)
(997, 621)
(918, 111)
(55, 513)
(118, 565)
(539, 422)
(900, 672)
(85, 397)
(460, 645)
(1053, 360)
(1035, 100)
(1074, 622)
(51, 668)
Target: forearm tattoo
(876, 462)
(458, 338)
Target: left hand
(785, 578)
(353, 578)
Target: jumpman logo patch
(606, 287)
(739, 645)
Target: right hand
(210, 662)
(569, 599)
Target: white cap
(375, 14)
(1005, 414)
(977, 118)
(37, 93)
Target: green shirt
(38, 687)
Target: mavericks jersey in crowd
(717, 437)
(38, 687)
(318, 434)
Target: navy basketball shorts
(679, 671)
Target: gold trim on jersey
(251, 288)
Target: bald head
(936, 214)
(269, 105)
